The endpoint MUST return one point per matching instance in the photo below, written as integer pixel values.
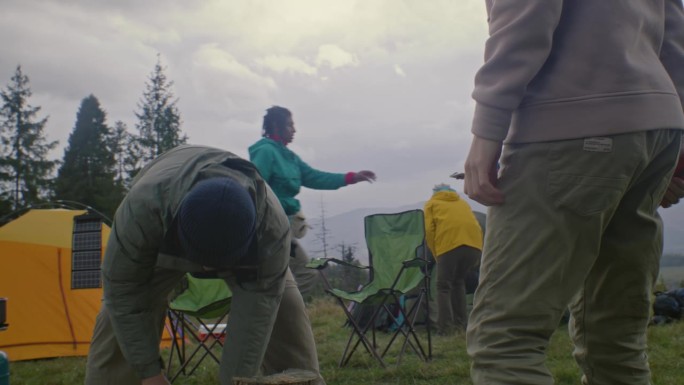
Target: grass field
(449, 365)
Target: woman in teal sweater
(286, 173)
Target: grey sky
(373, 84)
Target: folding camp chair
(397, 267)
(196, 320)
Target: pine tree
(5, 207)
(158, 119)
(88, 171)
(351, 277)
(345, 277)
(127, 153)
(25, 171)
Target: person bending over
(207, 212)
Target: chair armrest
(417, 262)
(322, 263)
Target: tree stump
(289, 377)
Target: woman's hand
(364, 176)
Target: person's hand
(481, 172)
(156, 380)
(675, 191)
(364, 176)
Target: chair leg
(408, 331)
(425, 292)
(202, 346)
(413, 314)
(177, 347)
(188, 328)
(360, 333)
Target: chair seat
(197, 319)
(369, 295)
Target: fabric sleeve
(263, 158)
(320, 180)
(127, 273)
(672, 51)
(520, 40)
(349, 178)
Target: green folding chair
(397, 267)
(197, 314)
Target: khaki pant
(290, 339)
(578, 228)
(306, 278)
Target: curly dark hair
(276, 117)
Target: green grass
(450, 364)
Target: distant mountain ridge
(347, 228)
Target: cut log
(288, 377)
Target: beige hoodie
(558, 70)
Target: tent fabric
(46, 317)
(44, 227)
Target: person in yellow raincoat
(454, 236)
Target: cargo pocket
(585, 195)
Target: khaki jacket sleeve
(520, 40)
(127, 273)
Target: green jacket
(286, 173)
(142, 252)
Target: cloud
(147, 34)
(382, 85)
(286, 64)
(210, 57)
(335, 57)
(221, 96)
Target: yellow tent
(53, 295)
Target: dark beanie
(216, 222)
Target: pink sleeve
(349, 178)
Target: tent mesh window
(86, 249)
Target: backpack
(362, 315)
(669, 304)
